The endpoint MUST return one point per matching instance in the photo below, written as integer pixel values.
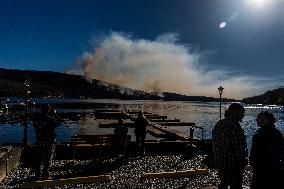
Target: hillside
(178, 97)
(54, 84)
(275, 96)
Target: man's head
(265, 118)
(140, 113)
(236, 111)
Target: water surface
(82, 121)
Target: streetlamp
(25, 138)
(220, 89)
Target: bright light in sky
(222, 25)
(259, 4)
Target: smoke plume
(160, 65)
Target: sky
(185, 46)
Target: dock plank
(176, 124)
(156, 117)
(175, 174)
(60, 182)
(165, 120)
(156, 133)
(113, 125)
(171, 132)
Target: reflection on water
(82, 121)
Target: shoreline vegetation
(61, 85)
(275, 97)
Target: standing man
(267, 153)
(140, 131)
(229, 148)
(45, 126)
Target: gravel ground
(126, 173)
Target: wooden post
(25, 137)
(220, 89)
(125, 145)
(74, 149)
(176, 174)
(220, 109)
(191, 134)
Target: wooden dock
(169, 140)
(178, 135)
(97, 147)
(159, 124)
(86, 149)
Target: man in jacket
(229, 147)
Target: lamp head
(220, 89)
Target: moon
(222, 25)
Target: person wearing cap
(267, 153)
(141, 123)
(230, 148)
(45, 125)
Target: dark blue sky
(52, 34)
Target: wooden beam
(60, 182)
(165, 120)
(176, 123)
(107, 110)
(136, 112)
(156, 133)
(109, 115)
(171, 132)
(156, 117)
(176, 174)
(113, 125)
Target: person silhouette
(44, 126)
(266, 153)
(121, 129)
(230, 148)
(141, 123)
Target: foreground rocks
(126, 173)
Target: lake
(82, 121)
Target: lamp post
(220, 89)
(25, 138)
